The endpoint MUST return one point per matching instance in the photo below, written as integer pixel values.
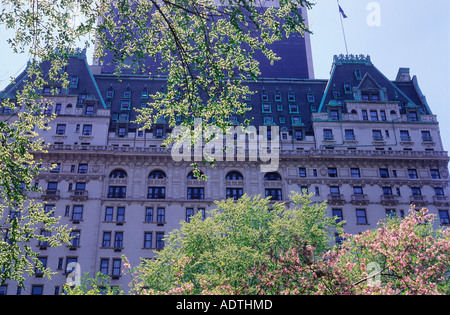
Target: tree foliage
(217, 254)
(23, 220)
(248, 247)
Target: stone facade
(369, 146)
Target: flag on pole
(342, 12)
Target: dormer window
(413, 116)
(110, 93)
(291, 97)
(370, 96)
(127, 93)
(358, 74)
(74, 81)
(277, 96)
(347, 88)
(144, 93)
(264, 96)
(310, 97)
(125, 105)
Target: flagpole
(343, 31)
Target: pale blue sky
(413, 34)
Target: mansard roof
(76, 68)
(287, 103)
(350, 72)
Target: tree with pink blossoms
(402, 256)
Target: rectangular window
(104, 266)
(347, 88)
(412, 173)
(89, 110)
(196, 193)
(82, 168)
(373, 115)
(357, 190)
(106, 242)
(77, 213)
(349, 135)
(384, 173)
(127, 94)
(109, 214)
(120, 214)
(413, 116)
(298, 135)
(415, 191)
(435, 174)
(75, 238)
(109, 93)
(266, 108)
(355, 173)
(293, 108)
(334, 190)
(439, 191)
(334, 114)
(60, 129)
(264, 96)
(116, 267)
(189, 214)
(377, 135)
(364, 115)
(161, 215)
(426, 136)
(156, 193)
(117, 192)
(387, 191)
(338, 214)
(73, 82)
(291, 96)
(361, 217)
(234, 193)
(87, 130)
(149, 214)
(273, 193)
(383, 115)
(118, 240)
(278, 96)
(328, 134)
(159, 240)
(444, 217)
(302, 172)
(332, 172)
(404, 135)
(148, 239)
(52, 186)
(58, 109)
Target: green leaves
(236, 237)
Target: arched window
(118, 173)
(157, 174)
(272, 176)
(234, 175)
(192, 176)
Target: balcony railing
(51, 195)
(389, 199)
(336, 199)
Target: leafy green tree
(98, 285)
(22, 219)
(205, 48)
(218, 253)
